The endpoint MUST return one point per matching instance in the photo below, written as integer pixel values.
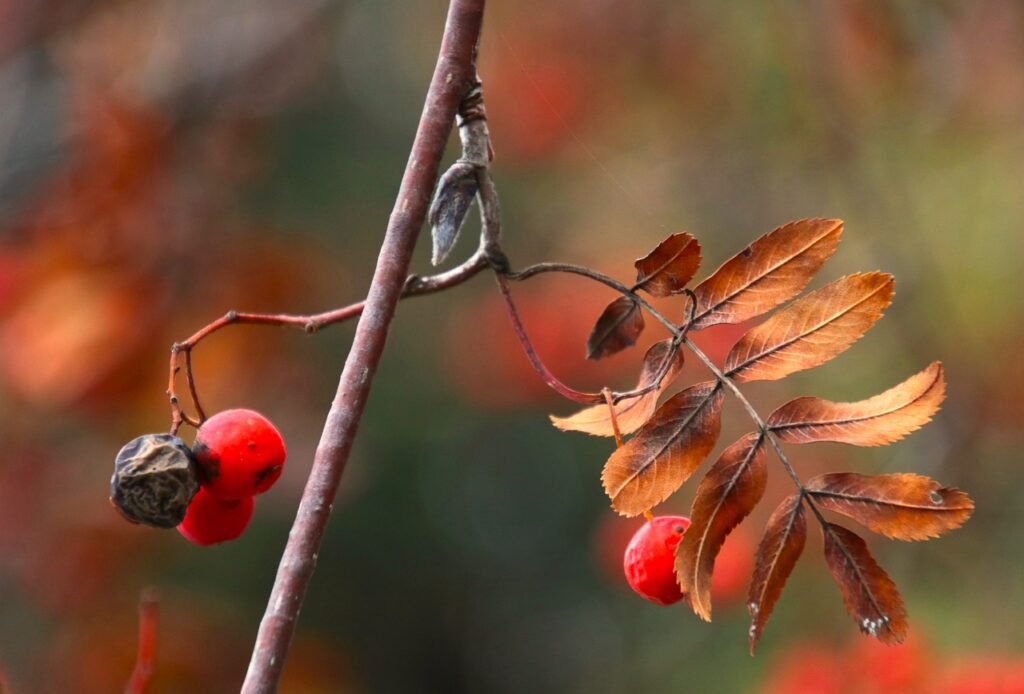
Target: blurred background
(162, 162)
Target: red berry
(651, 556)
(239, 453)
(210, 520)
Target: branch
(453, 73)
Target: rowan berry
(239, 454)
(210, 519)
(649, 560)
(154, 480)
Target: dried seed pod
(154, 480)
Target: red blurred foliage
(882, 668)
(988, 42)
(74, 564)
(10, 275)
(733, 568)
(488, 365)
(807, 669)
(985, 674)
(608, 544)
(318, 665)
(867, 46)
(200, 648)
(717, 340)
(52, 356)
(535, 97)
(94, 207)
(866, 666)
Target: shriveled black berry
(154, 480)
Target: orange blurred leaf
(618, 327)
(870, 596)
(652, 465)
(811, 330)
(901, 506)
(876, 421)
(777, 553)
(771, 270)
(630, 413)
(727, 495)
(666, 270)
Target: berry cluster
(205, 491)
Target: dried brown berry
(154, 480)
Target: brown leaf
(871, 597)
(633, 412)
(727, 495)
(812, 329)
(782, 544)
(770, 271)
(665, 452)
(666, 270)
(873, 422)
(619, 326)
(902, 506)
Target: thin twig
(178, 416)
(659, 377)
(310, 323)
(528, 272)
(453, 73)
(145, 658)
(613, 417)
(193, 391)
(557, 385)
(538, 365)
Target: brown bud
(154, 480)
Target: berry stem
(453, 75)
(193, 393)
(178, 416)
(145, 658)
